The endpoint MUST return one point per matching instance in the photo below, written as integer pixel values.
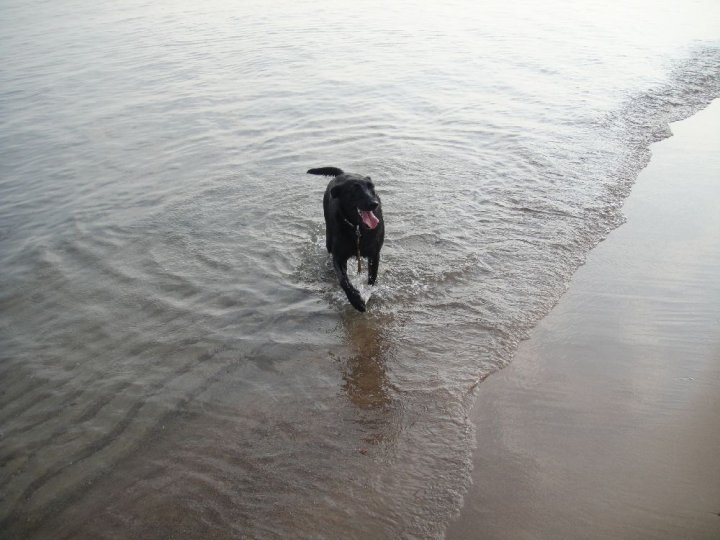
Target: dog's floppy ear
(337, 191)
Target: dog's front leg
(352, 293)
(373, 263)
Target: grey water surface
(176, 357)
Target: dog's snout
(374, 204)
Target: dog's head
(358, 198)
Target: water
(177, 358)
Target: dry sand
(607, 423)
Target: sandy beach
(607, 422)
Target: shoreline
(606, 424)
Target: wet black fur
(345, 194)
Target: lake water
(177, 358)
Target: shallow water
(177, 357)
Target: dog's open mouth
(368, 218)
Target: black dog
(353, 225)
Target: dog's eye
(371, 185)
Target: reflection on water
(176, 357)
(366, 381)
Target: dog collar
(359, 258)
(358, 234)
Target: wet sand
(607, 422)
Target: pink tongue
(369, 219)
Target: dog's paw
(357, 301)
